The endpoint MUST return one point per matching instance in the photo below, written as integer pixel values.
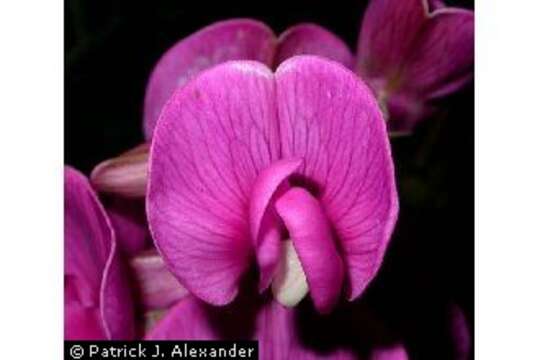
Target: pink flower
(410, 52)
(97, 300)
(413, 52)
(291, 169)
(237, 39)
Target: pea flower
(292, 169)
(97, 299)
(237, 39)
(413, 52)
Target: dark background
(110, 49)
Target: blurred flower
(124, 175)
(97, 299)
(157, 288)
(412, 52)
(460, 334)
(292, 168)
(281, 332)
(237, 39)
(128, 219)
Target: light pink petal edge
(236, 39)
(117, 321)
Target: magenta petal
(128, 218)
(265, 188)
(460, 333)
(413, 51)
(389, 30)
(158, 288)
(443, 56)
(311, 39)
(214, 136)
(394, 352)
(435, 4)
(92, 267)
(218, 133)
(274, 328)
(329, 118)
(117, 300)
(279, 337)
(312, 239)
(88, 237)
(265, 229)
(82, 323)
(186, 320)
(239, 39)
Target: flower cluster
(264, 196)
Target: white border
(508, 179)
(31, 190)
(507, 183)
